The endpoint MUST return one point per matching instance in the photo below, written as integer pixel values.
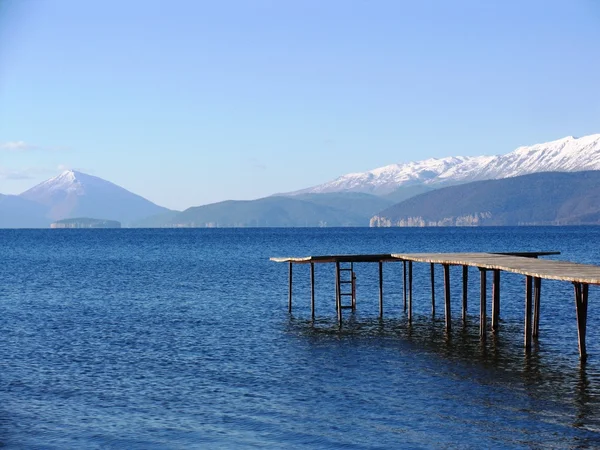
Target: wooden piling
(380, 289)
(482, 305)
(290, 290)
(404, 284)
(353, 291)
(537, 288)
(465, 280)
(433, 289)
(581, 304)
(410, 291)
(312, 290)
(528, 308)
(447, 311)
(338, 296)
(337, 284)
(496, 301)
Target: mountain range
(397, 194)
(345, 209)
(547, 198)
(563, 155)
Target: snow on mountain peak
(70, 182)
(568, 154)
(67, 174)
(66, 181)
(388, 178)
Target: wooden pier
(524, 263)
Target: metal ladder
(344, 281)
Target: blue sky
(192, 102)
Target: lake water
(182, 339)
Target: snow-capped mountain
(68, 182)
(569, 154)
(75, 194)
(387, 179)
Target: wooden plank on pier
(382, 257)
(527, 254)
(335, 258)
(541, 268)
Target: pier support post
(290, 289)
(433, 289)
(410, 291)
(447, 297)
(482, 304)
(528, 307)
(338, 296)
(353, 291)
(581, 303)
(380, 289)
(312, 290)
(537, 288)
(496, 300)
(465, 281)
(404, 283)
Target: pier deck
(335, 258)
(541, 268)
(524, 263)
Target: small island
(85, 222)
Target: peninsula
(85, 222)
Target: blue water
(182, 339)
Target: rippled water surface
(182, 339)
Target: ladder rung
(346, 270)
(345, 282)
(346, 293)
(346, 306)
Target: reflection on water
(560, 391)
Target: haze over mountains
(393, 195)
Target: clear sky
(192, 102)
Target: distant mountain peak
(73, 193)
(69, 181)
(66, 181)
(66, 173)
